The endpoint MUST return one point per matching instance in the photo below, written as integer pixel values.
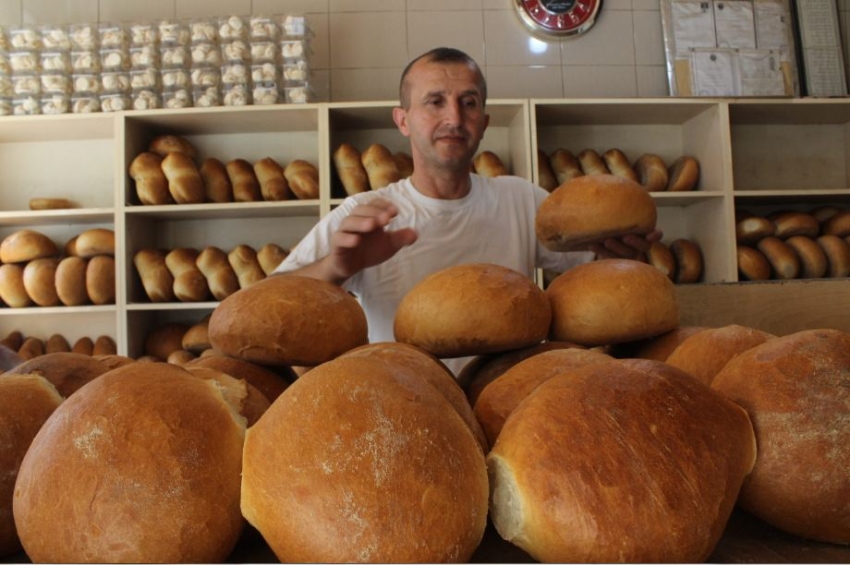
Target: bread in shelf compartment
(168, 173)
(36, 272)
(30, 346)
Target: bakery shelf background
(759, 154)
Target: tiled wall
(361, 46)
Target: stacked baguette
(791, 244)
(168, 173)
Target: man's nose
(453, 113)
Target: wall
(361, 46)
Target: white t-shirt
(494, 223)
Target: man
(379, 244)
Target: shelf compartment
(53, 217)
(233, 210)
(72, 323)
(140, 322)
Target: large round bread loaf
(472, 309)
(612, 301)
(66, 370)
(288, 320)
(142, 465)
(591, 208)
(26, 401)
(270, 383)
(659, 347)
(625, 461)
(363, 460)
(795, 389)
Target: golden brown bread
(243, 260)
(837, 255)
(583, 493)
(270, 383)
(588, 209)
(660, 257)
(40, 281)
(270, 256)
(285, 320)
(380, 166)
(184, 180)
(151, 182)
(689, 262)
(248, 401)
(752, 264)
(789, 224)
(618, 164)
(212, 262)
(217, 187)
(303, 179)
(349, 169)
(472, 309)
(404, 164)
(749, 230)
(184, 472)
(565, 165)
(488, 164)
(794, 388)
(100, 279)
(70, 248)
(157, 280)
(683, 174)
(592, 163)
(190, 284)
(25, 245)
(546, 177)
(26, 402)
(83, 346)
(180, 357)
(439, 479)
(657, 348)
(31, 348)
(13, 340)
(823, 213)
(12, 289)
(57, 343)
(113, 361)
(95, 241)
(162, 145)
(813, 261)
(243, 179)
(67, 371)
(784, 263)
(652, 172)
(612, 301)
(197, 338)
(50, 204)
(104, 345)
(164, 339)
(838, 224)
(273, 185)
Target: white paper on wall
(771, 20)
(734, 24)
(761, 74)
(713, 72)
(693, 25)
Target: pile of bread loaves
(34, 270)
(168, 173)
(590, 426)
(790, 244)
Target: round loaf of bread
(288, 320)
(71, 281)
(503, 395)
(592, 208)
(26, 401)
(838, 224)
(472, 309)
(67, 371)
(489, 164)
(749, 230)
(25, 245)
(40, 281)
(349, 432)
(652, 172)
(657, 348)
(813, 261)
(379, 165)
(612, 301)
(784, 263)
(12, 289)
(100, 279)
(157, 280)
(789, 224)
(95, 241)
(142, 465)
(794, 388)
(705, 353)
(303, 179)
(270, 383)
(752, 264)
(618, 477)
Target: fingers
(627, 247)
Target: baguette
(303, 179)
(151, 182)
(246, 187)
(349, 169)
(273, 185)
(184, 180)
(217, 185)
(380, 166)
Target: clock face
(558, 17)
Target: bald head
(441, 55)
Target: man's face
(445, 117)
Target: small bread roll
(190, 284)
(813, 261)
(151, 182)
(197, 337)
(565, 165)
(13, 341)
(592, 163)
(217, 185)
(660, 257)
(83, 346)
(31, 348)
(95, 241)
(683, 174)
(162, 145)
(104, 345)
(100, 279)
(652, 172)
(303, 179)
(349, 169)
(689, 261)
(243, 259)
(221, 278)
(25, 245)
(70, 248)
(380, 166)
(50, 204)
(180, 357)
(57, 344)
(157, 280)
(40, 281)
(184, 180)
(404, 164)
(825, 212)
(752, 264)
(165, 339)
(782, 258)
(838, 224)
(12, 289)
(618, 164)
(243, 179)
(273, 185)
(837, 255)
(789, 224)
(749, 230)
(270, 256)
(488, 164)
(546, 177)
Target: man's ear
(400, 119)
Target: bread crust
(350, 170)
(652, 172)
(303, 179)
(380, 166)
(784, 263)
(752, 264)
(565, 165)
(489, 164)
(618, 164)
(683, 174)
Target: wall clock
(558, 18)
